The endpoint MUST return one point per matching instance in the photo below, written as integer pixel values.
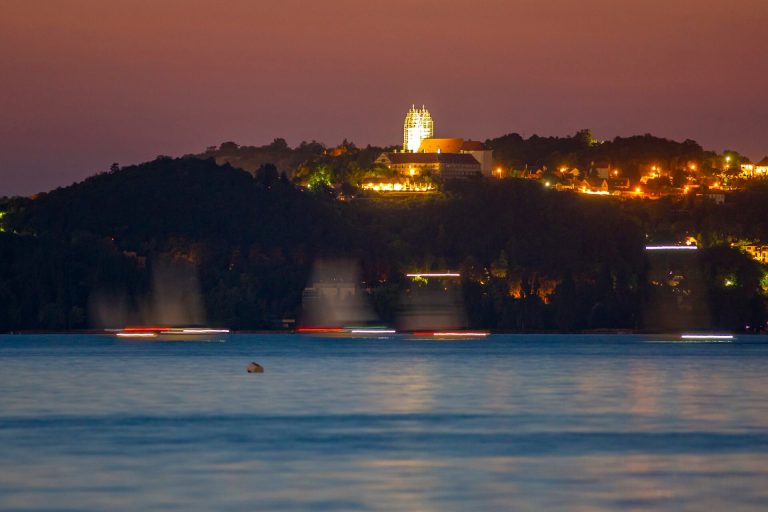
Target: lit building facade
(757, 252)
(443, 165)
(458, 145)
(418, 126)
(759, 170)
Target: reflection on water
(506, 423)
(402, 388)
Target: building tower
(417, 127)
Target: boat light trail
(707, 336)
(373, 331)
(475, 334)
(201, 331)
(451, 333)
(670, 247)
(438, 274)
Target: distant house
(758, 252)
(758, 170)
(601, 169)
(448, 166)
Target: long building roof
(452, 145)
(432, 158)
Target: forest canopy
(531, 258)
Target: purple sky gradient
(85, 83)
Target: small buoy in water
(255, 368)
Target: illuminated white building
(417, 127)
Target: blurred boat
(457, 335)
(155, 333)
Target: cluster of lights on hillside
(398, 187)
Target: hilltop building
(418, 126)
(424, 156)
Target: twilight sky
(84, 83)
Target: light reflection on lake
(507, 423)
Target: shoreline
(607, 332)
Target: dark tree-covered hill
(530, 257)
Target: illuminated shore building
(418, 126)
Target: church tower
(417, 127)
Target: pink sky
(86, 83)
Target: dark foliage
(531, 258)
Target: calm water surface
(505, 423)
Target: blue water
(505, 423)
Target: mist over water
(175, 299)
(334, 297)
(512, 422)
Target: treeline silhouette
(531, 258)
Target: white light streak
(136, 334)
(707, 336)
(437, 274)
(670, 247)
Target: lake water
(514, 422)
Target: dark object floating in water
(255, 368)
